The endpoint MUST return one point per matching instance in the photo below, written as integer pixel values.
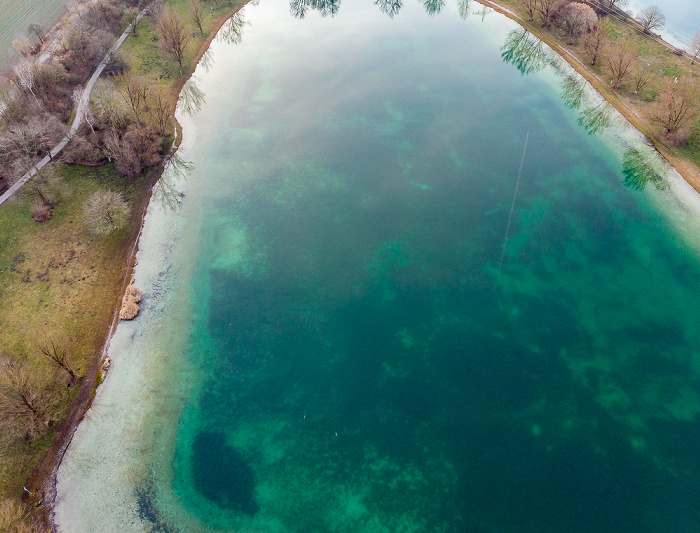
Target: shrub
(40, 211)
(105, 212)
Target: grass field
(58, 281)
(16, 15)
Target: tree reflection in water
(640, 169)
(525, 51)
(166, 191)
(573, 90)
(299, 8)
(207, 60)
(433, 7)
(463, 7)
(597, 118)
(389, 7)
(232, 30)
(191, 97)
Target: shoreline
(45, 474)
(685, 168)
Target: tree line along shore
(651, 83)
(68, 237)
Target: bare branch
(651, 18)
(57, 354)
(675, 108)
(618, 61)
(173, 31)
(22, 410)
(694, 48)
(195, 10)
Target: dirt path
(80, 110)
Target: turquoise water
(377, 334)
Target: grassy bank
(634, 107)
(60, 283)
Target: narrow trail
(80, 110)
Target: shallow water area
(422, 278)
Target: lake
(408, 273)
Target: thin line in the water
(512, 205)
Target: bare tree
(13, 108)
(173, 31)
(594, 41)
(641, 75)
(195, 10)
(44, 188)
(83, 46)
(23, 412)
(129, 17)
(530, 7)
(618, 61)
(161, 110)
(22, 47)
(105, 212)
(24, 70)
(694, 49)
(57, 354)
(547, 8)
(38, 30)
(126, 159)
(89, 117)
(577, 18)
(616, 3)
(32, 139)
(651, 18)
(108, 106)
(676, 107)
(134, 91)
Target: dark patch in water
(222, 474)
(148, 509)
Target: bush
(84, 150)
(41, 212)
(105, 212)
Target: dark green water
(368, 359)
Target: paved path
(81, 107)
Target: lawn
(58, 282)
